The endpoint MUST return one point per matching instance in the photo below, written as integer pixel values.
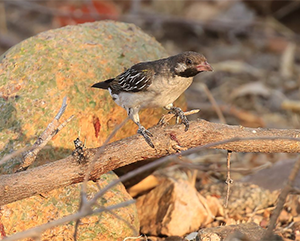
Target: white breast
(160, 93)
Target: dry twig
(52, 129)
(14, 154)
(214, 103)
(228, 181)
(36, 231)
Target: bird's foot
(163, 120)
(146, 134)
(180, 114)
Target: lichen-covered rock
(36, 74)
(37, 210)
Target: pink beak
(204, 67)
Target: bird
(155, 84)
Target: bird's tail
(103, 85)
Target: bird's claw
(179, 113)
(146, 134)
(162, 121)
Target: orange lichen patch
(89, 220)
(29, 130)
(90, 74)
(60, 81)
(51, 92)
(103, 61)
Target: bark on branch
(167, 140)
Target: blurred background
(252, 46)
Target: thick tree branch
(167, 140)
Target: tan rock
(172, 208)
(240, 232)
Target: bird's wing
(134, 80)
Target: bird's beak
(204, 67)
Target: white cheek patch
(180, 67)
(114, 96)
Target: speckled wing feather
(134, 79)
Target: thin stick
(62, 125)
(228, 181)
(286, 9)
(129, 238)
(34, 149)
(89, 205)
(134, 231)
(214, 103)
(62, 109)
(51, 130)
(36, 231)
(15, 153)
(76, 229)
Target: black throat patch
(190, 72)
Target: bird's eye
(188, 61)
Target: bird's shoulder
(137, 78)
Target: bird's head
(188, 64)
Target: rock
(240, 232)
(37, 73)
(37, 210)
(173, 208)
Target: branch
(167, 140)
(52, 129)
